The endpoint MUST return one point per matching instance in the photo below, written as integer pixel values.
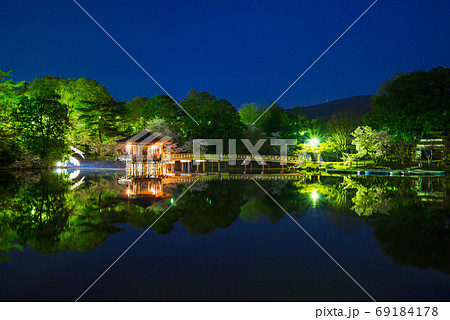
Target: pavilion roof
(145, 137)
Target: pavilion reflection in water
(143, 192)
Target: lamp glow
(314, 196)
(314, 142)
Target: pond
(224, 239)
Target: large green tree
(84, 96)
(339, 130)
(217, 119)
(10, 96)
(43, 126)
(370, 143)
(193, 104)
(103, 119)
(220, 121)
(250, 112)
(97, 119)
(275, 120)
(143, 109)
(411, 104)
(299, 124)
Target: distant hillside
(358, 105)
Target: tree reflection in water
(409, 216)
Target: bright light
(128, 147)
(74, 161)
(81, 153)
(128, 192)
(314, 142)
(172, 201)
(59, 164)
(314, 196)
(74, 174)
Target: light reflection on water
(402, 220)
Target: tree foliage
(370, 143)
(250, 112)
(411, 104)
(217, 119)
(103, 119)
(43, 124)
(339, 130)
(10, 97)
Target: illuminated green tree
(103, 119)
(411, 104)
(299, 124)
(43, 126)
(249, 112)
(193, 103)
(370, 143)
(218, 119)
(10, 96)
(275, 120)
(160, 106)
(339, 129)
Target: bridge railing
(227, 157)
(220, 157)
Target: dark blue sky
(242, 51)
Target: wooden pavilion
(145, 154)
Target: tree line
(41, 119)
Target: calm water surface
(224, 239)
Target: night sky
(242, 51)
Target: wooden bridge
(227, 157)
(188, 160)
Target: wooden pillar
(189, 166)
(204, 166)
